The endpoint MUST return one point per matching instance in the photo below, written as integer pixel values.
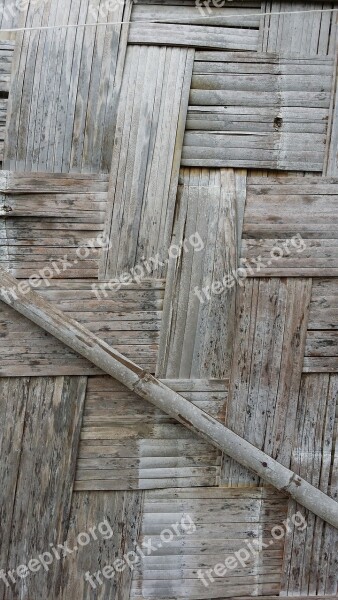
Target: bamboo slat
(6, 59)
(217, 523)
(321, 350)
(270, 338)
(146, 158)
(283, 107)
(311, 555)
(61, 108)
(298, 34)
(48, 218)
(39, 439)
(121, 513)
(290, 226)
(196, 333)
(128, 444)
(129, 319)
(187, 24)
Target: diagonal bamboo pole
(67, 330)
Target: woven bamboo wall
(201, 144)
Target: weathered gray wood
(16, 182)
(182, 459)
(50, 217)
(320, 365)
(61, 110)
(127, 443)
(32, 306)
(290, 225)
(13, 401)
(40, 445)
(331, 157)
(6, 59)
(9, 19)
(193, 36)
(310, 554)
(146, 158)
(196, 333)
(323, 307)
(319, 597)
(184, 24)
(122, 511)
(321, 344)
(269, 339)
(185, 13)
(217, 522)
(283, 106)
(238, 3)
(129, 319)
(298, 34)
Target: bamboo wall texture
(6, 58)
(175, 123)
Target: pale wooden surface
(13, 400)
(39, 446)
(146, 157)
(80, 339)
(258, 111)
(184, 24)
(6, 59)
(47, 217)
(61, 110)
(184, 12)
(321, 350)
(196, 335)
(269, 339)
(298, 34)
(128, 444)
(331, 158)
(310, 556)
(123, 512)
(129, 319)
(278, 210)
(223, 520)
